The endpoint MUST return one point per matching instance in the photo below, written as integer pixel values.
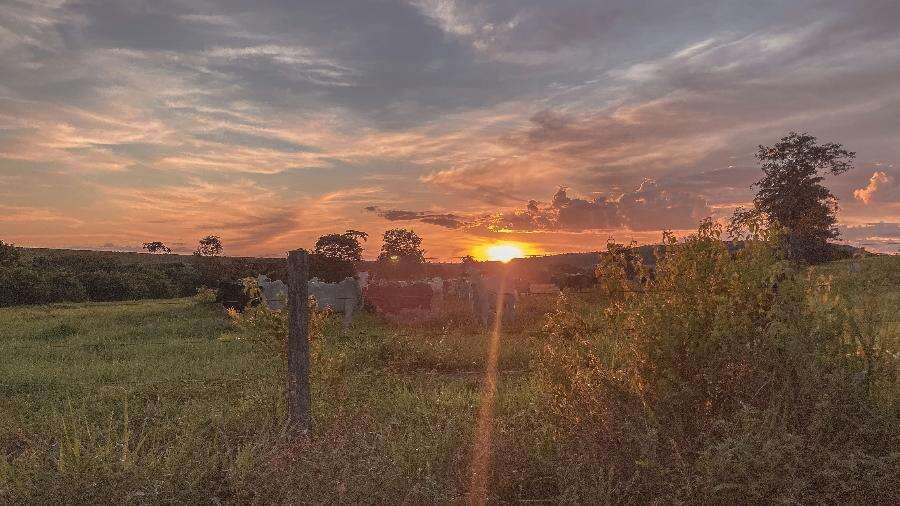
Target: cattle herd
(480, 294)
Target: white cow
(344, 297)
(274, 293)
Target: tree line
(71, 276)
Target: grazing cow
(333, 295)
(575, 282)
(486, 293)
(393, 297)
(344, 297)
(232, 295)
(274, 293)
(337, 296)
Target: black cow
(231, 295)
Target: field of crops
(163, 401)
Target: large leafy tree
(791, 192)
(402, 245)
(209, 246)
(344, 246)
(334, 255)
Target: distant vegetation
(156, 247)
(46, 276)
(41, 276)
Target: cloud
(30, 215)
(881, 188)
(647, 207)
(230, 137)
(652, 207)
(446, 220)
(880, 236)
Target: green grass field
(159, 401)
(143, 402)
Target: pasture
(162, 401)
(157, 401)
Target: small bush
(259, 324)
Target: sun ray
(484, 431)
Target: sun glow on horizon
(504, 252)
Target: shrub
(62, 286)
(672, 388)
(152, 284)
(106, 286)
(20, 285)
(258, 324)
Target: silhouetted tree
(344, 246)
(209, 246)
(334, 254)
(403, 246)
(156, 247)
(791, 192)
(330, 270)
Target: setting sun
(504, 252)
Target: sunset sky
(272, 123)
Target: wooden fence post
(298, 399)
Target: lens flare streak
(481, 452)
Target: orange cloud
(880, 185)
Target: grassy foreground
(162, 401)
(156, 401)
